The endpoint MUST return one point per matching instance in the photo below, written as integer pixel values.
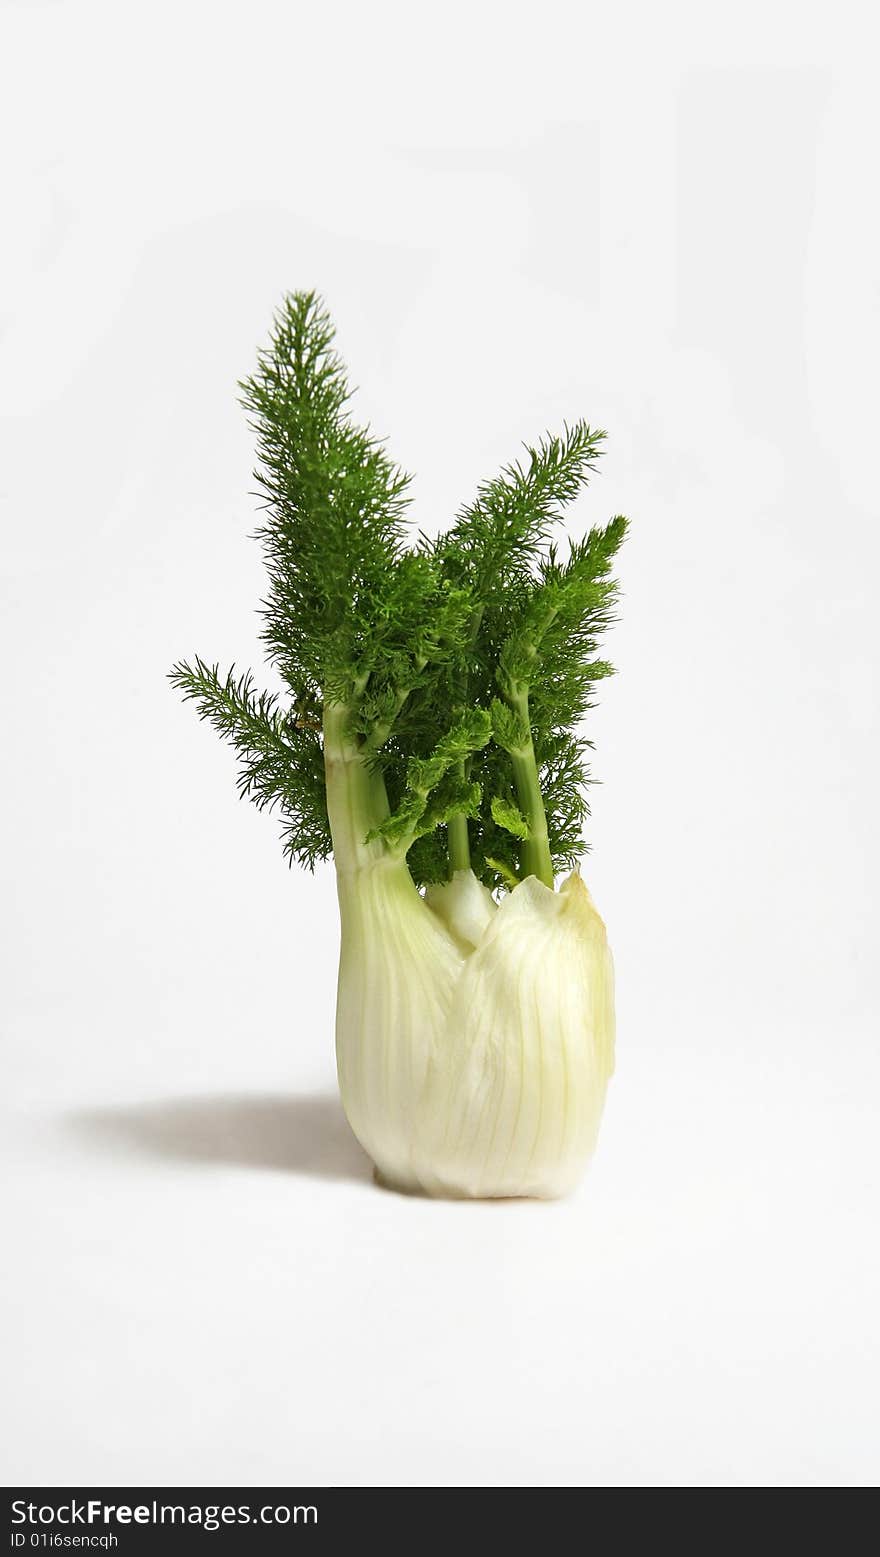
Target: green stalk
(356, 796)
(536, 859)
(459, 845)
(457, 838)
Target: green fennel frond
(497, 536)
(509, 816)
(433, 793)
(458, 671)
(280, 759)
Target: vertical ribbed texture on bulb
(474, 1059)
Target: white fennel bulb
(474, 1041)
(516, 1081)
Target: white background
(663, 218)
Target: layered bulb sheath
(398, 967)
(474, 1040)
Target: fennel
(430, 740)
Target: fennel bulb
(473, 1049)
(431, 743)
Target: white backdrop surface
(661, 218)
